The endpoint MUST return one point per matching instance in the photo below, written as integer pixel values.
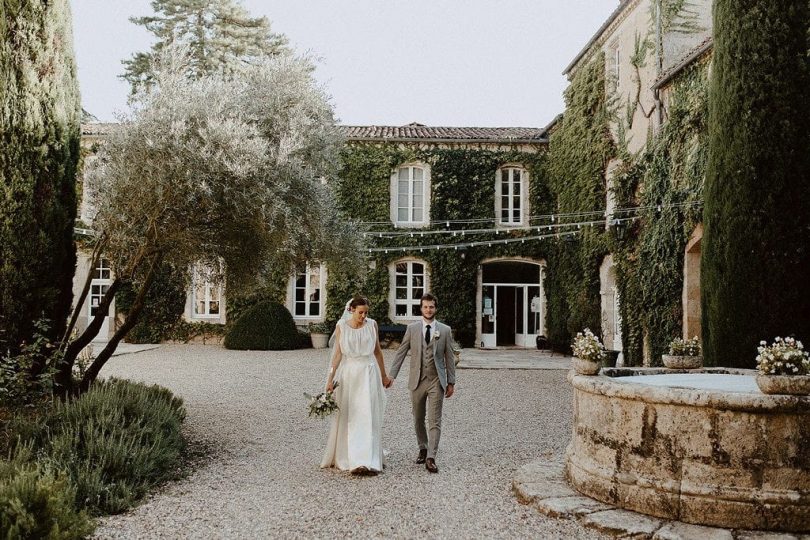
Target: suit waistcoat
(428, 364)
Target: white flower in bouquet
(323, 404)
(587, 346)
(783, 357)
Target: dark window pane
(418, 268)
(416, 310)
(314, 309)
(213, 308)
(299, 295)
(402, 281)
(300, 308)
(401, 310)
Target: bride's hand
(387, 381)
(330, 387)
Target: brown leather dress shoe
(422, 455)
(430, 465)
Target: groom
(432, 377)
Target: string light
(472, 244)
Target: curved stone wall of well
(737, 460)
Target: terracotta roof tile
(413, 132)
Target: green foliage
(19, 386)
(649, 259)
(38, 502)
(757, 216)
(264, 326)
(220, 34)
(164, 306)
(39, 151)
(185, 331)
(579, 151)
(462, 186)
(115, 442)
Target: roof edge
(616, 12)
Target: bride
(355, 442)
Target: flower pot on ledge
(797, 385)
(585, 367)
(672, 361)
(319, 341)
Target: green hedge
(264, 326)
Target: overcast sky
(386, 62)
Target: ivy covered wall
(579, 152)
(462, 187)
(649, 258)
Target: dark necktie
(427, 334)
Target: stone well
(704, 447)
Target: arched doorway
(512, 304)
(691, 285)
(611, 316)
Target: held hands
(387, 381)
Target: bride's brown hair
(358, 300)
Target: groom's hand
(449, 392)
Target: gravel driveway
(262, 477)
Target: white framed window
(102, 270)
(511, 195)
(614, 66)
(409, 281)
(410, 193)
(206, 296)
(308, 291)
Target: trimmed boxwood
(266, 326)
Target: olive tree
(225, 173)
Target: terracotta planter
(319, 341)
(797, 385)
(672, 361)
(585, 367)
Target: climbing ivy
(462, 187)
(579, 152)
(649, 259)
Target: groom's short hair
(430, 298)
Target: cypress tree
(756, 256)
(39, 151)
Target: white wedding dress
(355, 434)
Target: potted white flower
(588, 353)
(319, 334)
(783, 367)
(683, 354)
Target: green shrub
(115, 442)
(264, 326)
(36, 502)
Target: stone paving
(542, 485)
(513, 359)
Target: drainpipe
(659, 64)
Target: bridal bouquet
(323, 404)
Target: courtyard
(259, 474)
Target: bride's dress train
(355, 434)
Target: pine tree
(756, 246)
(39, 151)
(220, 34)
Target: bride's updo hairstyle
(358, 300)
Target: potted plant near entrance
(588, 353)
(783, 367)
(683, 354)
(319, 334)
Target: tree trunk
(64, 371)
(129, 323)
(83, 296)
